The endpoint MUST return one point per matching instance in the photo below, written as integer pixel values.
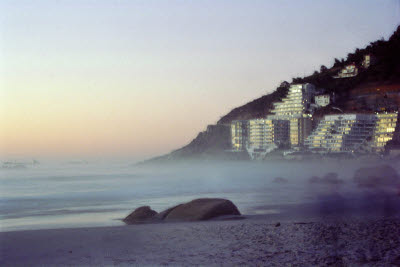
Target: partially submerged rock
(140, 215)
(195, 210)
(202, 209)
(382, 175)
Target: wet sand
(256, 240)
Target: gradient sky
(140, 78)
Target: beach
(255, 240)
(62, 216)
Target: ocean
(81, 194)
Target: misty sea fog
(76, 194)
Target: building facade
(300, 128)
(322, 100)
(289, 126)
(384, 130)
(350, 70)
(352, 133)
(295, 108)
(239, 134)
(368, 61)
(265, 132)
(297, 101)
(265, 135)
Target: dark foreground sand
(252, 241)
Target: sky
(137, 79)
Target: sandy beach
(257, 240)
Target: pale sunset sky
(137, 79)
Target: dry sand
(252, 241)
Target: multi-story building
(384, 130)
(294, 108)
(368, 61)
(350, 70)
(297, 101)
(322, 100)
(239, 134)
(257, 133)
(290, 124)
(277, 131)
(265, 132)
(300, 129)
(352, 133)
(265, 135)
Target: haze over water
(68, 194)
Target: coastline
(256, 240)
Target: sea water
(76, 194)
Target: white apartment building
(264, 135)
(300, 129)
(294, 108)
(384, 129)
(352, 133)
(290, 124)
(264, 132)
(297, 101)
(322, 100)
(239, 134)
(350, 70)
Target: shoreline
(329, 205)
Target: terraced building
(353, 133)
(295, 108)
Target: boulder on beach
(382, 175)
(195, 210)
(202, 209)
(280, 180)
(140, 215)
(163, 214)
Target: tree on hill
(337, 63)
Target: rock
(141, 215)
(202, 209)
(163, 214)
(195, 210)
(280, 180)
(382, 175)
(278, 224)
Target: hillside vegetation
(386, 70)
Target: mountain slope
(384, 73)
